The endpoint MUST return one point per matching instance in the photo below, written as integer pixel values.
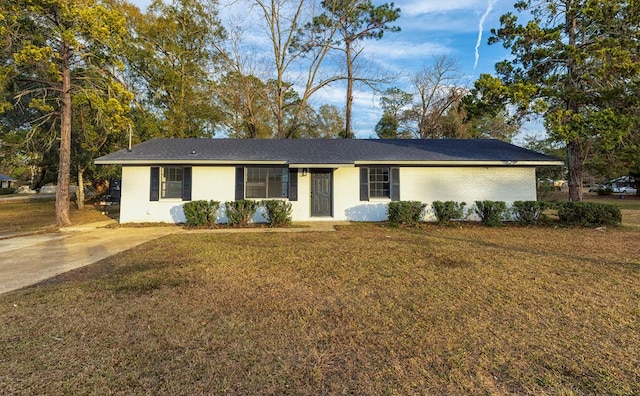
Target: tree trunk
(64, 168)
(80, 188)
(347, 113)
(574, 148)
(575, 160)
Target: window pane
(171, 182)
(379, 186)
(267, 182)
(256, 183)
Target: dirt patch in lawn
(365, 310)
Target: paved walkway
(29, 259)
(26, 260)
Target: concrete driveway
(26, 260)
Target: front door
(321, 192)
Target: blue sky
(429, 28)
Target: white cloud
(422, 7)
(404, 50)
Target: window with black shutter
(379, 182)
(170, 182)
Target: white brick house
(323, 179)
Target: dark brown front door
(321, 194)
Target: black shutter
(395, 184)
(293, 184)
(239, 183)
(154, 188)
(364, 184)
(186, 183)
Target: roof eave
(141, 162)
(464, 163)
(318, 165)
(183, 162)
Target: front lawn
(40, 215)
(365, 310)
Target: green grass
(365, 310)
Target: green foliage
(244, 102)
(448, 210)
(59, 51)
(393, 102)
(589, 214)
(200, 213)
(278, 212)
(387, 127)
(576, 63)
(240, 212)
(486, 112)
(491, 213)
(405, 212)
(174, 60)
(7, 191)
(606, 190)
(329, 123)
(529, 212)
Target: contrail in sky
(490, 5)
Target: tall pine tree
(58, 49)
(574, 61)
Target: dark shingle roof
(6, 178)
(323, 151)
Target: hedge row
(239, 213)
(495, 213)
(490, 213)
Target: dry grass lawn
(365, 310)
(31, 216)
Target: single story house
(6, 181)
(324, 179)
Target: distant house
(341, 179)
(6, 181)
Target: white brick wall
(467, 184)
(459, 184)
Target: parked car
(625, 190)
(596, 187)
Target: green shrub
(278, 212)
(589, 214)
(240, 212)
(7, 191)
(200, 213)
(405, 212)
(448, 210)
(607, 190)
(491, 213)
(529, 212)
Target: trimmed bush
(448, 210)
(240, 212)
(7, 191)
(405, 212)
(529, 212)
(491, 213)
(200, 213)
(589, 214)
(605, 191)
(278, 212)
